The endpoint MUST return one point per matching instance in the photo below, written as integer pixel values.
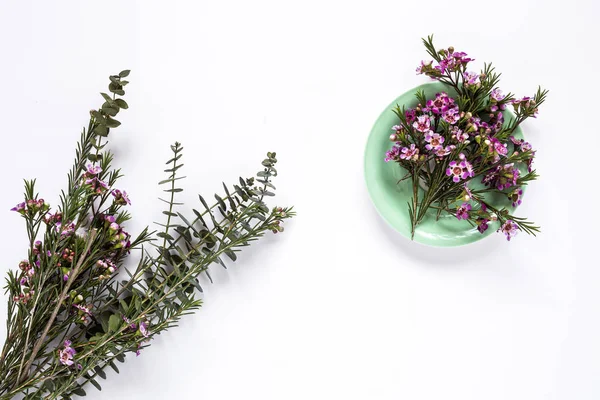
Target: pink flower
(516, 197)
(121, 198)
(459, 135)
(440, 104)
(144, 329)
(20, 208)
(510, 229)
(471, 79)
(423, 67)
(422, 123)
(410, 153)
(65, 355)
(460, 170)
(442, 151)
(434, 140)
(482, 224)
(496, 94)
(93, 169)
(392, 154)
(463, 211)
(66, 229)
(498, 147)
(451, 116)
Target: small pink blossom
(510, 229)
(434, 140)
(463, 211)
(410, 153)
(496, 94)
(422, 123)
(66, 354)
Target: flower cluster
(116, 234)
(106, 268)
(31, 207)
(464, 133)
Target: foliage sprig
(74, 310)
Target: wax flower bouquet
(459, 148)
(73, 308)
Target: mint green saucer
(391, 198)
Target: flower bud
(393, 137)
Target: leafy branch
(74, 309)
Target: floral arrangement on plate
(461, 149)
(74, 310)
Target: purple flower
(65, 355)
(442, 151)
(529, 163)
(522, 100)
(98, 186)
(510, 229)
(411, 115)
(459, 135)
(498, 147)
(451, 116)
(468, 193)
(93, 169)
(144, 329)
(502, 177)
(516, 196)
(440, 104)
(392, 154)
(396, 128)
(66, 229)
(497, 95)
(482, 224)
(423, 67)
(121, 198)
(434, 140)
(410, 153)
(422, 123)
(52, 219)
(460, 57)
(20, 208)
(516, 142)
(471, 79)
(463, 211)
(460, 169)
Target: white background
(339, 306)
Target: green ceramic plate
(391, 198)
